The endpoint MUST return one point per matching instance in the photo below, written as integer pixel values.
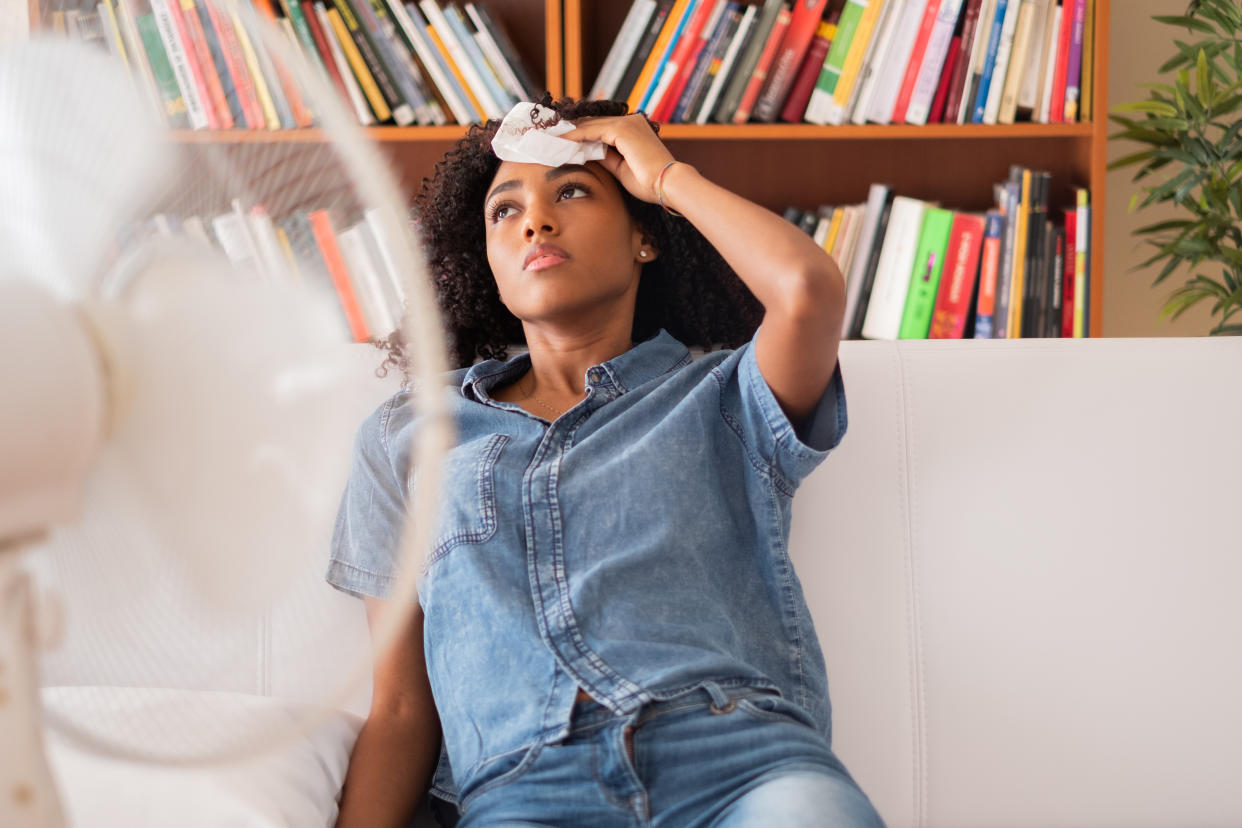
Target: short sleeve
(366, 537)
(793, 453)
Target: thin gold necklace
(531, 395)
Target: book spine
(255, 56)
(978, 57)
(325, 238)
(1088, 64)
(1067, 275)
(623, 46)
(830, 73)
(878, 195)
(1018, 59)
(938, 106)
(175, 112)
(1002, 68)
(1073, 67)
(720, 74)
(962, 266)
(744, 66)
(649, 72)
(627, 87)
(461, 31)
(808, 73)
(989, 60)
(673, 77)
(1034, 254)
(807, 16)
(1012, 196)
(961, 71)
(915, 61)
(490, 48)
(839, 109)
(1017, 291)
(215, 101)
(696, 86)
(859, 314)
(676, 26)
(530, 89)
(989, 268)
(928, 79)
(178, 58)
(414, 28)
(401, 110)
(925, 276)
(331, 70)
(361, 72)
(305, 37)
(1082, 228)
(445, 38)
(224, 71)
(892, 279)
(1056, 113)
(243, 84)
(1056, 253)
(375, 19)
(751, 94)
(138, 61)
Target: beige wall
(1137, 47)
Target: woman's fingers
(640, 150)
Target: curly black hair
(688, 290)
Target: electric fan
(166, 387)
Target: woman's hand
(636, 155)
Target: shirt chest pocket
(468, 495)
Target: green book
(925, 277)
(162, 71)
(826, 83)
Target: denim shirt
(635, 547)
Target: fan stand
(27, 791)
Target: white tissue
(535, 142)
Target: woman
(609, 631)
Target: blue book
(222, 68)
(668, 51)
(984, 327)
(461, 28)
(699, 75)
(426, 50)
(989, 63)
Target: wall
(1138, 45)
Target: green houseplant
(1190, 130)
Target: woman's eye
(499, 212)
(574, 191)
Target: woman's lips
(544, 256)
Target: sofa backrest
(1023, 567)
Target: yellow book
(365, 79)
(1013, 329)
(1088, 65)
(834, 228)
(286, 248)
(461, 79)
(256, 74)
(657, 51)
(1082, 233)
(853, 61)
(114, 30)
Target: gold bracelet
(659, 188)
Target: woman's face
(560, 242)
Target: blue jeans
(709, 758)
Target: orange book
(301, 115)
(742, 115)
(235, 61)
(645, 78)
(325, 238)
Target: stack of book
(205, 65)
(854, 61)
(915, 270)
(351, 260)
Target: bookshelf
(776, 165)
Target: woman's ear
(647, 251)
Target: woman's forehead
(523, 173)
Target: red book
(1067, 292)
(191, 59)
(761, 68)
(202, 55)
(936, 115)
(325, 51)
(1056, 114)
(243, 84)
(804, 83)
(961, 72)
(957, 280)
(806, 18)
(681, 62)
(916, 61)
(325, 238)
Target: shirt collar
(642, 363)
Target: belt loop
(721, 703)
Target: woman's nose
(539, 220)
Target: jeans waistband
(589, 715)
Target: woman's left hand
(636, 155)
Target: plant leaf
(1185, 22)
(1154, 107)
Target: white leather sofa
(1025, 567)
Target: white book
(1001, 70)
(1044, 111)
(892, 73)
(1018, 63)
(356, 99)
(821, 230)
(384, 246)
(928, 79)
(876, 63)
(892, 275)
(978, 54)
(865, 69)
(462, 111)
(491, 108)
(271, 256)
(623, 47)
(233, 232)
(365, 280)
(1033, 72)
(726, 64)
(848, 248)
(138, 62)
(876, 196)
(194, 107)
(491, 50)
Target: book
(196, 40)
(360, 71)
(397, 59)
(958, 280)
(1088, 64)
(1069, 217)
(978, 57)
(803, 23)
(1073, 67)
(1018, 61)
(989, 270)
(1000, 71)
(927, 81)
(708, 63)
(174, 109)
(642, 52)
(357, 97)
(838, 108)
(808, 73)
(1082, 262)
(376, 306)
(330, 67)
(834, 61)
(926, 24)
(511, 79)
(623, 46)
(876, 68)
(378, 71)
(936, 114)
(252, 112)
(925, 275)
(413, 27)
(1043, 108)
(879, 197)
(755, 82)
(1017, 278)
(892, 278)
(461, 27)
(720, 73)
(1035, 254)
(497, 34)
(744, 65)
(444, 36)
(325, 237)
(222, 66)
(1056, 113)
(649, 74)
(674, 74)
(988, 66)
(1010, 198)
(1032, 72)
(961, 70)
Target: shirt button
(593, 375)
